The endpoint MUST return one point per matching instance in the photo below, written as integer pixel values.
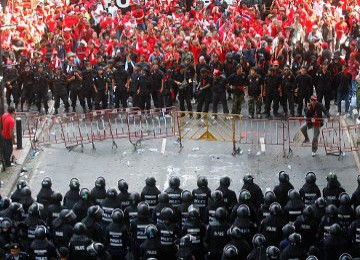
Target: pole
(18, 133)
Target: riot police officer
(185, 251)
(281, 190)
(201, 195)
(257, 197)
(44, 195)
(108, 205)
(330, 218)
(169, 232)
(26, 199)
(355, 197)
(42, 80)
(124, 196)
(309, 192)
(332, 190)
(294, 206)
(243, 222)
(259, 247)
(264, 210)
(98, 193)
(306, 226)
(335, 244)
(346, 213)
(54, 208)
(80, 207)
(150, 192)
(186, 201)
(15, 196)
(94, 230)
(79, 242)
(72, 195)
(117, 240)
(174, 191)
(41, 248)
(98, 251)
(130, 211)
(229, 195)
(295, 249)
(62, 229)
(59, 90)
(163, 199)
(354, 234)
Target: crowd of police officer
(181, 224)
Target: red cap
(324, 45)
(313, 97)
(275, 62)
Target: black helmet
(185, 241)
(95, 249)
(40, 232)
(143, 210)
(15, 207)
(357, 211)
(163, 197)
(320, 203)
(308, 211)
(335, 229)
(151, 231)
(150, 181)
(269, 197)
(166, 213)
(294, 239)
(230, 252)
(258, 240)
(134, 198)
(272, 252)
(174, 182)
(56, 197)
(217, 195)
(243, 211)
(310, 177)
(275, 208)
(244, 195)
(331, 210)
(202, 182)
(331, 177)
(225, 182)
(21, 184)
(25, 192)
(283, 176)
(117, 216)
(344, 198)
(67, 215)
(234, 232)
(294, 194)
(6, 223)
(186, 196)
(111, 193)
(5, 203)
(74, 184)
(248, 178)
(288, 229)
(220, 214)
(311, 257)
(228, 55)
(100, 182)
(46, 183)
(345, 256)
(84, 194)
(34, 209)
(95, 212)
(193, 213)
(122, 185)
(79, 229)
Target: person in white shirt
(113, 9)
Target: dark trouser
(238, 100)
(158, 99)
(13, 92)
(76, 93)
(42, 97)
(145, 102)
(326, 95)
(301, 101)
(289, 98)
(135, 99)
(185, 96)
(282, 101)
(87, 95)
(7, 151)
(64, 97)
(204, 97)
(121, 96)
(27, 95)
(101, 97)
(220, 97)
(269, 98)
(314, 145)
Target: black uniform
(149, 194)
(42, 81)
(309, 192)
(101, 92)
(168, 232)
(61, 232)
(11, 77)
(216, 238)
(156, 86)
(354, 235)
(77, 247)
(271, 228)
(144, 84)
(42, 249)
(184, 90)
(204, 95)
(196, 229)
(288, 86)
(120, 79)
(281, 191)
(26, 80)
(59, 90)
(304, 91)
(219, 95)
(117, 240)
(322, 83)
(87, 86)
(201, 198)
(74, 80)
(272, 84)
(71, 197)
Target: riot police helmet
(123, 185)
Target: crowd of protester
(158, 53)
(106, 223)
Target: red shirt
(8, 123)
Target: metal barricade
(86, 129)
(118, 122)
(100, 127)
(151, 124)
(329, 137)
(50, 133)
(262, 132)
(350, 139)
(29, 123)
(71, 132)
(208, 126)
